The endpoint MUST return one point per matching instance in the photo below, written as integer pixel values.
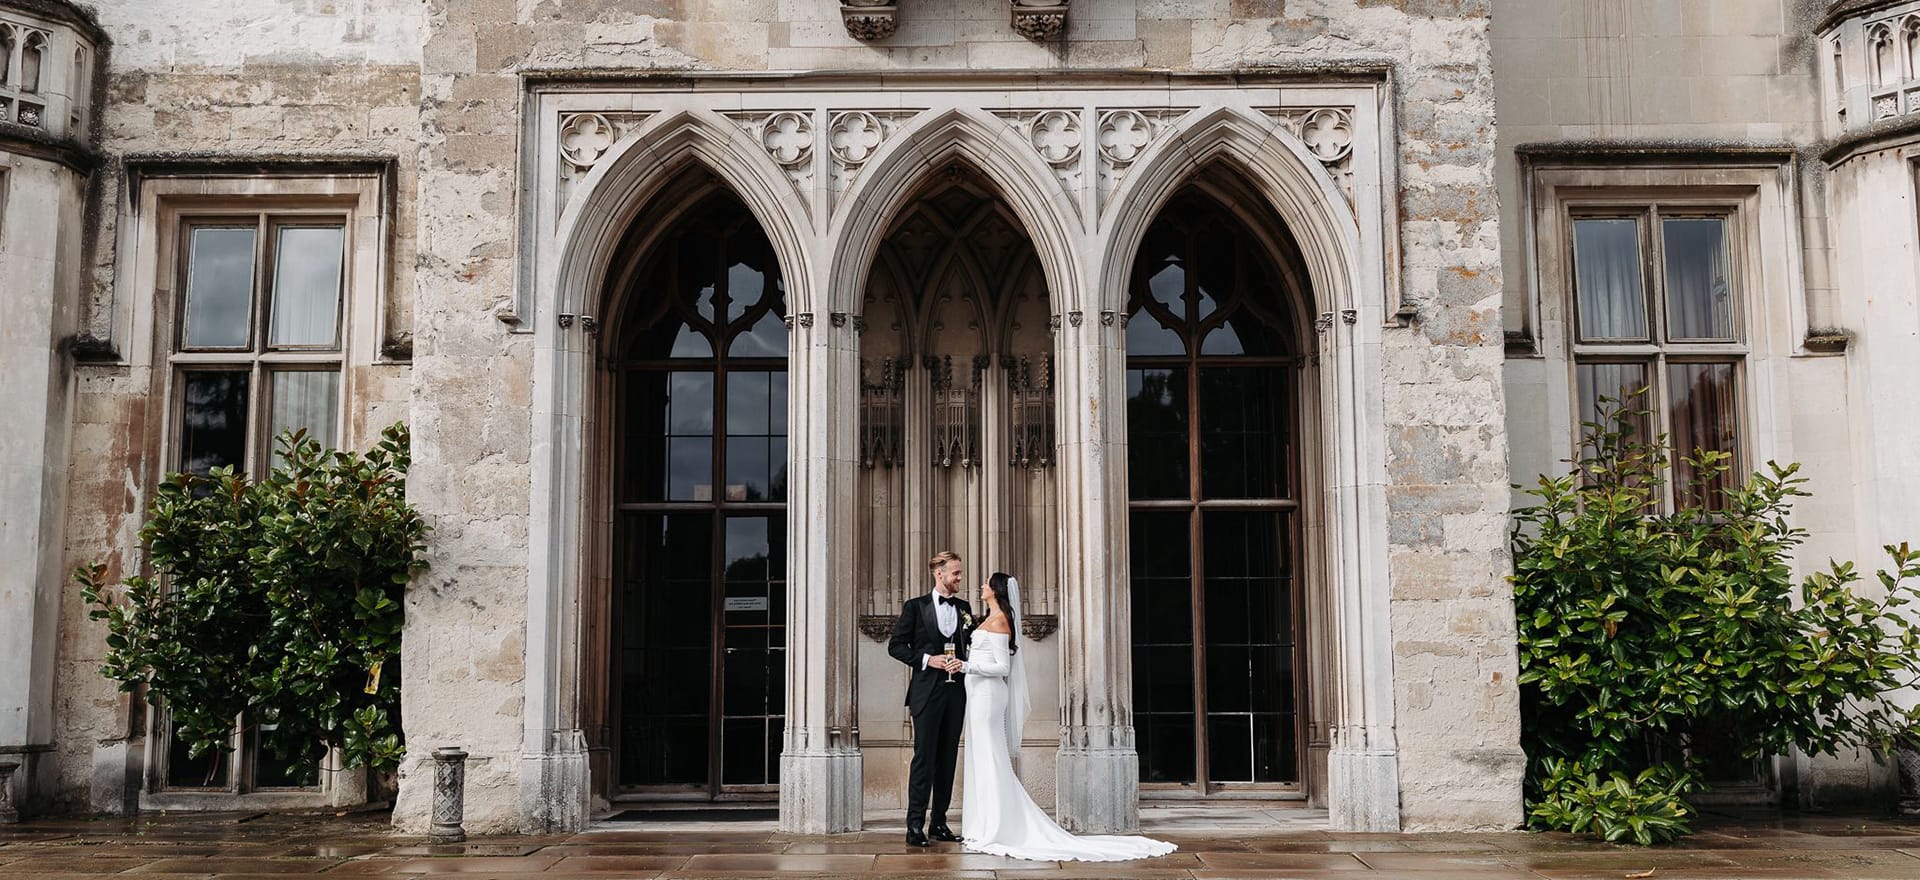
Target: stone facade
(492, 157)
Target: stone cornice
(62, 11)
(30, 141)
(1682, 151)
(1845, 9)
(1888, 133)
(1349, 70)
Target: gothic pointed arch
(899, 170)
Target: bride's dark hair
(998, 581)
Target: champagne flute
(949, 650)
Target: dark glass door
(1214, 511)
(700, 524)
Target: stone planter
(1906, 758)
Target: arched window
(1880, 48)
(33, 58)
(1213, 492)
(700, 510)
(1910, 46)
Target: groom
(939, 707)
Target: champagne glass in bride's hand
(949, 652)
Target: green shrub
(1647, 809)
(280, 600)
(1643, 628)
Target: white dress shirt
(946, 617)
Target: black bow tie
(944, 600)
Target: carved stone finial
(867, 20)
(1039, 19)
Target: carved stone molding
(876, 626)
(1039, 19)
(1073, 317)
(1106, 317)
(867, 21)
(1328, 133)
(1122, 137)
(585, 137)
(1324, 322)
(1038, 626)
(853, 136)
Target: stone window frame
(1756, 194)
(164, 204)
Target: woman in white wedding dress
(997, 815)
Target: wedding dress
(997, 816)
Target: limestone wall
(439, 88)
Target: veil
(1019, 702)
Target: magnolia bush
(278, 602)
(1645, 625)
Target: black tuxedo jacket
(917, 633)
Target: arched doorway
(699, 465)
(1214, 391)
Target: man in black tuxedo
(938, 706)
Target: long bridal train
(998, 816)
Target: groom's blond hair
(942, 558)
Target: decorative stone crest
(1055, 135)
(1121, 138)
(868, 20)
(877, 627)
(1038, 626)
(584, 138)
(1039, 20)
(1328, 132)
(788, 137)
(853, 136)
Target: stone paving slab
(1236, 843)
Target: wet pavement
(1215, 842)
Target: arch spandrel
(899, 168)
(624, 183)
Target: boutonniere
(966, 619)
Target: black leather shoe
(939, 831)
(916, 837)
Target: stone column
(1097, 771)
(820, 763)
(42, 258)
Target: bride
(998, 816)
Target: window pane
(306, 285)
(665, 642)
(1240, 433)
(207, 771)
(749, 400)
(1617, 382)
(1607, 279)
(219, 287)
(1704, 416)
(1699, 292)
(213, 423)
(308, 400)
(1157, 433)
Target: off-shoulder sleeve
(994, 661)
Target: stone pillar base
(1363, 790)
(1097, 790)
(555, 793)
(820, 792)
